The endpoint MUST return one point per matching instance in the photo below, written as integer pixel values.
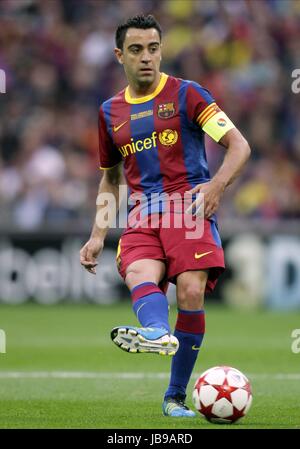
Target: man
(156, 128)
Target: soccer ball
(222, 394)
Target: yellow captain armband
(218, 125)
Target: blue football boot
(145, 339)
(175, 407)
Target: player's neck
(138, 91)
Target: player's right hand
(89, 253)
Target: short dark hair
(140, 21)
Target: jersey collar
(161, 85)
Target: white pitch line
(79, 375)
(125, 376)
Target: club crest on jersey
(168, 137)
(166, 110)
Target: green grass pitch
(61, 369)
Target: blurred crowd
(59, 64)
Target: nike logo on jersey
(116, 128)
(194, 347)
(198, 256)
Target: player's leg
(194, 265)
(151, 308)
(189, 330)
(141, 264)
(144, 270)
(149, 302)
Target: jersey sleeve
(108, 152)
(203, 110)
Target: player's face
(141, 56)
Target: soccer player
(152, 132)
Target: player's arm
(236, 156)
(109, 183)
(110, 163)
(215, 123)
(237, 153)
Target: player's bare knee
(135, 277)
(144, 271)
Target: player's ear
(119, 55)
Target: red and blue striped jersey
(159, 137)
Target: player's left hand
(212, 192)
